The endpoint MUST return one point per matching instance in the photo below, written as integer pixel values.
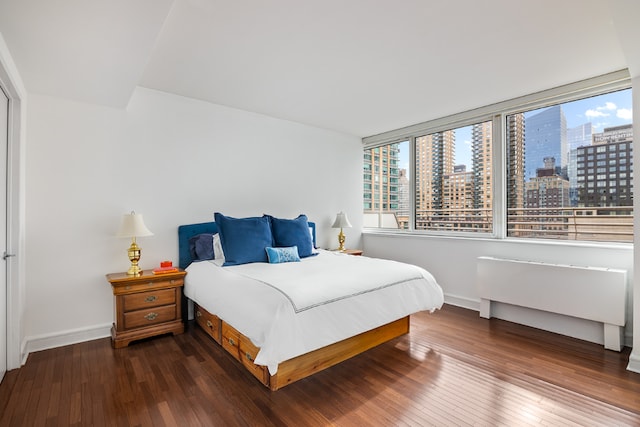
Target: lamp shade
(133, 226)
(341, 221)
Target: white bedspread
(293, 308)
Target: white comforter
(292, 308)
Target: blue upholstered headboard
(185, 232)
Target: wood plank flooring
(453, 368)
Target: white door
(4, 120)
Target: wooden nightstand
(146, 305)
(356, 252)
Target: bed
(288, 320)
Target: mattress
(293, 308)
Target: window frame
(497, 113)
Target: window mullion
(500, 176)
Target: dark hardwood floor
(454, 368)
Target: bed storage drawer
(248, 353)
(210, 323)
(231, 340)
(243, 349)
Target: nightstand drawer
(142, 285)
(151, 316)
(149, 299)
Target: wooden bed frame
(290, 370)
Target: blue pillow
(279, 255)
(293, 232)
(201, 247)
(244, 239)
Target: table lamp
(133, 226)
(341, 222)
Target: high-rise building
(546, 137)
(515, 155)
(380, 179)
(458, 191)
(481, 159)
(605, 169)
(404, 200)
(578, 136)
(434, 160)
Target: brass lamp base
(134, 256)
(341, 240)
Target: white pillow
(313, 243)
(218, 254)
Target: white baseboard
(59, 339)
(463, 302)
(634, 362)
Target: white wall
(453, 263)
(176, 160)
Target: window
(453, 183)
(394, 186)
(554, 138)
(564, 156)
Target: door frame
(14, 89)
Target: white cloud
(467, 142)
(607, 106)
(625, 114)
(595, 113)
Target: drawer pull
(150, 284)
(232, 342)
(150, 298)
(198, 314)
(151, 316)
(209, 324)
(248, 356)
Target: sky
(612, 109)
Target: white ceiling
(356, 66)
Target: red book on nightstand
(164, 270)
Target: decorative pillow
(201, 247)
(280, 255)
(244, 239)
(293, 232)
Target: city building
(546, 136)
(481, 158)
(576, 137)
(380, 182)
(515, 154)
(604, 169)
(434, 160)
(545, 196)
(458, 199)
(548, 189)
(403, 213)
